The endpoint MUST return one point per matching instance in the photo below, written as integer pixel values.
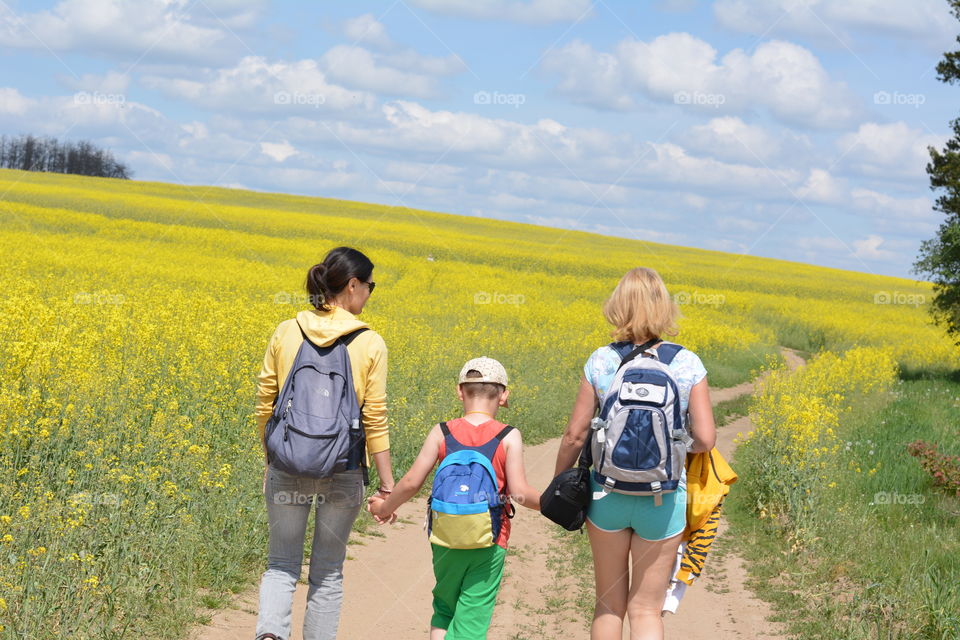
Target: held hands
(375, 507)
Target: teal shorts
(617, 511)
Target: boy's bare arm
(521, 492)
(413, 479)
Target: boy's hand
(375, 507)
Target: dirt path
(719, 604)
(388, 578)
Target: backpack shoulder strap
(503, 433)
(450, 442)
(633, 353)
(347, 338)
(667, 351)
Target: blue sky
(794, 129)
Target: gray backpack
(638, 442)
(315, 429)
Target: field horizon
(401, 208)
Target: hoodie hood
(324, 327)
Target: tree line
(30, 153)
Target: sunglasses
(371, 284)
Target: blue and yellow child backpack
(467, 504)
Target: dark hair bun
(328, 278)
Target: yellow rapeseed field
(136, 319)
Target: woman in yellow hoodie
(339, 287)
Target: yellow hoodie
(368, 360)
(708, 482)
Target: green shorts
(467, 584)
(618, 511)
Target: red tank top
(474, 436)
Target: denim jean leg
(287, 512)
(338, 503)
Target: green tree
(939, 257)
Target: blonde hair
(640, 307)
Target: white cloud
(255, 85)
(884, 206)
(358, 68)
(420, 172)
(148, 29)
(869, 249)
(589, 77)
(822, 243)
(926, 21)
(545, 147)
(784, 77)
(12, 102)
(523, 11)
(730, 138)
(279, 151)
(368, 30)
(113, 82)
(670, 164)
(887, 150)
(740, 224)
(414, 129)
(822, 188)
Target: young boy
(468, 579)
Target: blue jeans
(289, 500)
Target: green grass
(729, 410)
(881, 554)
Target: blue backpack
(467, 504)
(639, 441)
(315, 429)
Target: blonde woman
(631, 530)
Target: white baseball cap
(490, 371)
